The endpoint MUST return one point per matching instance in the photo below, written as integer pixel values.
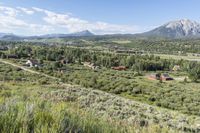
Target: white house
(32, 63)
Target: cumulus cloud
(73, 24)
(16, 19)
(25, 10)
(8, 11)
(10, 22)
(8, 17)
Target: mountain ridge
(183, 28)
(178, 29)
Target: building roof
(119, 68)
(33, 61)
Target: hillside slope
(176, 29)
(129, 111)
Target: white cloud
(40, 29)
(73, 24)
(17, 20)
(8, 11)
(11, 23)
(38, 9)
(25, 10)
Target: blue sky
(31, 17)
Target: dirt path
(26, 69)
(35, 72)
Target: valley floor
(42, 94)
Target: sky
(37, 17)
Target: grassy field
(24, 107)
(179, 95)
(178, 57)
(122, 41)
(24, 110)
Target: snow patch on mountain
(188, 27)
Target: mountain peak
(182, 23)
(177, 29)
(186, 26)
(83, 33)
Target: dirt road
(27, 69)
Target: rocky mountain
(176, 29)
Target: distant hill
(9, 36)
(5, 34)
(76, 34)
(82, 33)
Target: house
(154, 77)
(3, 48)
(32, 63)
(119, 68)
(63, 61)
(164, 77)
(90, 65)
(62, 70)
(176, 68)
